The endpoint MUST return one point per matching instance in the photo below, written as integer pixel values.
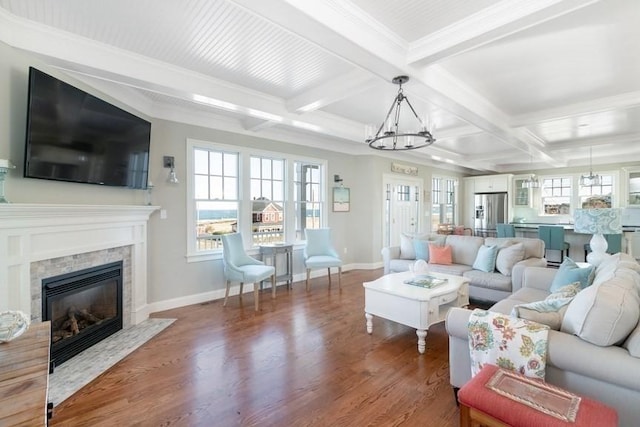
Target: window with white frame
(267, 199)
(556, 195)
(308, 196)
(267, 196)
(597, 196)
(215, 189)
(443, 201)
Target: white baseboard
(143, 313)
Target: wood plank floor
(304, 359)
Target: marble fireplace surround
(36, 237)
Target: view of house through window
(269, 198)
(216, 196)
(597, 196)
(556, 195)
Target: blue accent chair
(553, 238)
(319, 253)
(240, 267)
(506, 230)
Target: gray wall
(170, 275)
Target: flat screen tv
(74, 136)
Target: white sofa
(596, 353)
(490, 286)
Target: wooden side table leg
(465, 418)
(422, 343)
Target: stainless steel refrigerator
(490, 210)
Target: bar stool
(553, 238)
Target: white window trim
(575, 193)
(244, 209)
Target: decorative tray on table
(536, 394)
(425, 281)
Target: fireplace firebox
(84, 307)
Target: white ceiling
(509, 85)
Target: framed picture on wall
(341, 199)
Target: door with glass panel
(402, 208)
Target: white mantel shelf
(36, 232)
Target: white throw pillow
(508, 257)
(406, 247)
(604, 314)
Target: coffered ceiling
(508, 85)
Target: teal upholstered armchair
(240, 267)
(319, 253)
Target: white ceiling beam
(256, 125)
(331, 91)
(492, 23)
(622, 101)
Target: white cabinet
(491, 183)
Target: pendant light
(591, 179)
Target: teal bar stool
(553, 238)
(506, 230)
(614, 244)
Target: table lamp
(597, 222)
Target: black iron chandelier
(392, 139)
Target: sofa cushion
(464, 248)
(569, 272)
(533, 248)
(508, 256)
(440, 254)
(397, 265)
(551, 310)
(421, 248)
(632, 344)
(604, 314)
(489, 280)
(612, 264)
(453, 269)
(486, 258)
(522, 296)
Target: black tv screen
(74, 136)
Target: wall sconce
(5, 167)
(337, 180)
(169, 162)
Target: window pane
(216, 188)
(255, 189)
(215, 159)
(230, 164)
(278, 190)
(201, 162)
(266, 168)
(266, 190)
(230, 189)
(278, 170)
(255, 167)
(201, 188)
(213, 220)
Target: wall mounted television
(74, 136)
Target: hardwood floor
(305, 359)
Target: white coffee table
(390, 298)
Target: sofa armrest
(389, 253)
(518, 270)
(538, 277)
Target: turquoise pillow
(486, 258)
(569, 272)
(421, 247)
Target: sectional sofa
(514, 254)
(595, 352)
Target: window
(267, 200)
(443, 201)
(597, 196)
(308, 200)
(556, 195)
(266, 196)
(216, 196)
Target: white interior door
(403, 200)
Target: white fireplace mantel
(36, 232)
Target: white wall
(171, 278)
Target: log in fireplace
(84, 307)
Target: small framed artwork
(341, 199)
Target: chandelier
(532, 180)
(591, 179)
(392, 139)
